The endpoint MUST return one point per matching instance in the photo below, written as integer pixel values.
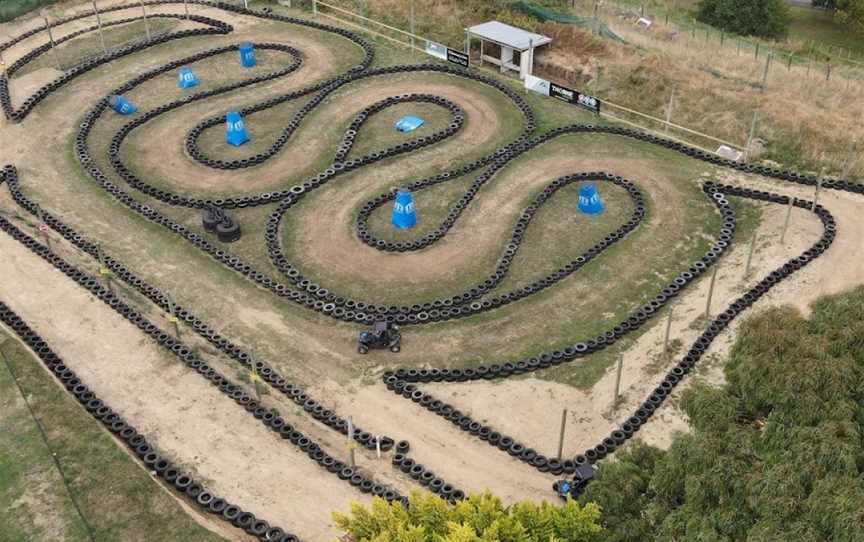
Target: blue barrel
(404, 215)
(589, 200)
(247, 55)
(121, 105)
(186, 78)
(235, 129)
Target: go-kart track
(299, 469)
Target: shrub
(479, 518)
(775, 453)
(764, 18)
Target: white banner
(536, 84)
(436, 49)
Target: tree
(851, 14)
(479, 518)
(774, 454)
(763, 18)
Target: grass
(76, 50)
(816, 25)
(10, 9)
(116, 496)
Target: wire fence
(610, 110)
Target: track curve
(304, 291)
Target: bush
(851, 14)
(763, 18)
(775, 454)
(479, 518)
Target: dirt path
(180, 412)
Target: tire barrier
(427, 478)
(268, 374)
(273, 422)
(306, 292)
(402, 381)
(216, 220)
(172, 475)
(17, 115)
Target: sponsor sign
(564, 94)
(457, 58)
(445, 53)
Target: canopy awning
(509, 36)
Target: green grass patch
(118, 498)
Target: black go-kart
(573, 488)
(383, 335)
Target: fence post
(711, 290)
(186, 8)
(669, 110)
(412, 23)
(99, 24)
(747, 151)
(757, 50)
(146, 22)
(786, 221)
(51, 39)
(750, 255)
(767, 68)
(668, 331)
(315, 7)
(351, 462)
(818, 189)
(849, 159)
(561, 436)
(617, 397)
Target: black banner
(457, 58)
(574, 97)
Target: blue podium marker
(121, 105)
(186, 78)
(404, 215)
(589, 200)
(235, 130)
(247, 55)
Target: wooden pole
(818, 189)
(747, 151)
(99, 24)
(315, 7)
(351, 462)
(618, 381)
(750, 255)
(767, 67)
(669, 110)
(668, 331)
(186, 8)
(144, 16)
(561, 434)
(711, 291)
(412, 23)
(786, 221)
(849, 158)
(104, 270)
(378, 446)
(172, 316)
(53, 45)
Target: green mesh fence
(544, 14)
(10, 9)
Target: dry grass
(806, 120)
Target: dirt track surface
(215, 439)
